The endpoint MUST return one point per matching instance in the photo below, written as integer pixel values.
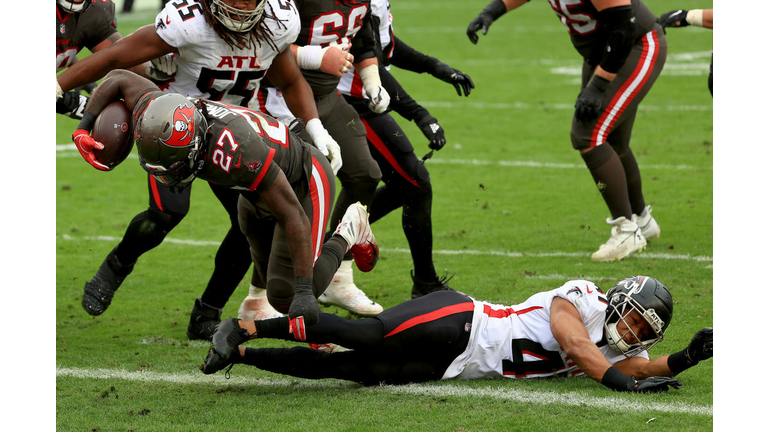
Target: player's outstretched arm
(408, 58)
(569, 331)
(137, 48)
(491, 13)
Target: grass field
(515, 212)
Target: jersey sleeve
(169, 24)
(100, 22)
(591, 303)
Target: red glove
(85, 145)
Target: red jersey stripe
(432, 316)
(263, 171)
(382, 148)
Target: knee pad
(280, 294)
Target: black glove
(675, 18)
(589, 102)
(459, 79)
(656, 384)
(701, 346)
(72, 105)
(491, 13)
(433, 131)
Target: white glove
(59, 91)
(325, 143)
(162, 68)
(379, 98)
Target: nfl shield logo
(62, 28)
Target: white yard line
(506, 254)
(612, 403)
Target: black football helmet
(651, 299)
(72, 7)
(234, 19)
(170, 137)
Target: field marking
(506, 254)
(69, 150)
(578, 399)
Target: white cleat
(256, 306)
(648, 225)
(343, 292)
(626, 238)
(356, 231)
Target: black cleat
(203, 322)
(224, 347)
(98, 292)
(422, 288)
(304, 304)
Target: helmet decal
(183, 127)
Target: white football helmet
(72, 7)
(234, 19)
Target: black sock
(608, 173)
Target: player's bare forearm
(572, 336)
(282, 202)
(642, 368)
(119, 84)
(362, 64)
(286, 76)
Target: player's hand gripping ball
(114, 129)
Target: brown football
(114, 129)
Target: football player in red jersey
(624, 50)
(221, 49)
(287, 186)
(573, 330)
(83, 24)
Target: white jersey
(517, 342)
(350, 83)
(208, 67)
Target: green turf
(524, 217)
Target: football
(114, 129)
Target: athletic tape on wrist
(369, 75)
(310, 57)
(695, 17)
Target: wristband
(370, 75)
(679, 361)
(87, 122)
(310, 57)
(59, 91)
(695, 17)
(615, 380)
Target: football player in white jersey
(222, 49)
(572, 330)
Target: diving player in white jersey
(572, 330)
(221, 52)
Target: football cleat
(224, 346)
(256, 306)
(343, 292)
(203, 321)
(356, 230)
(304, 305)
(648, 225)
(98, 292)
(626, 238)
(421, 287)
